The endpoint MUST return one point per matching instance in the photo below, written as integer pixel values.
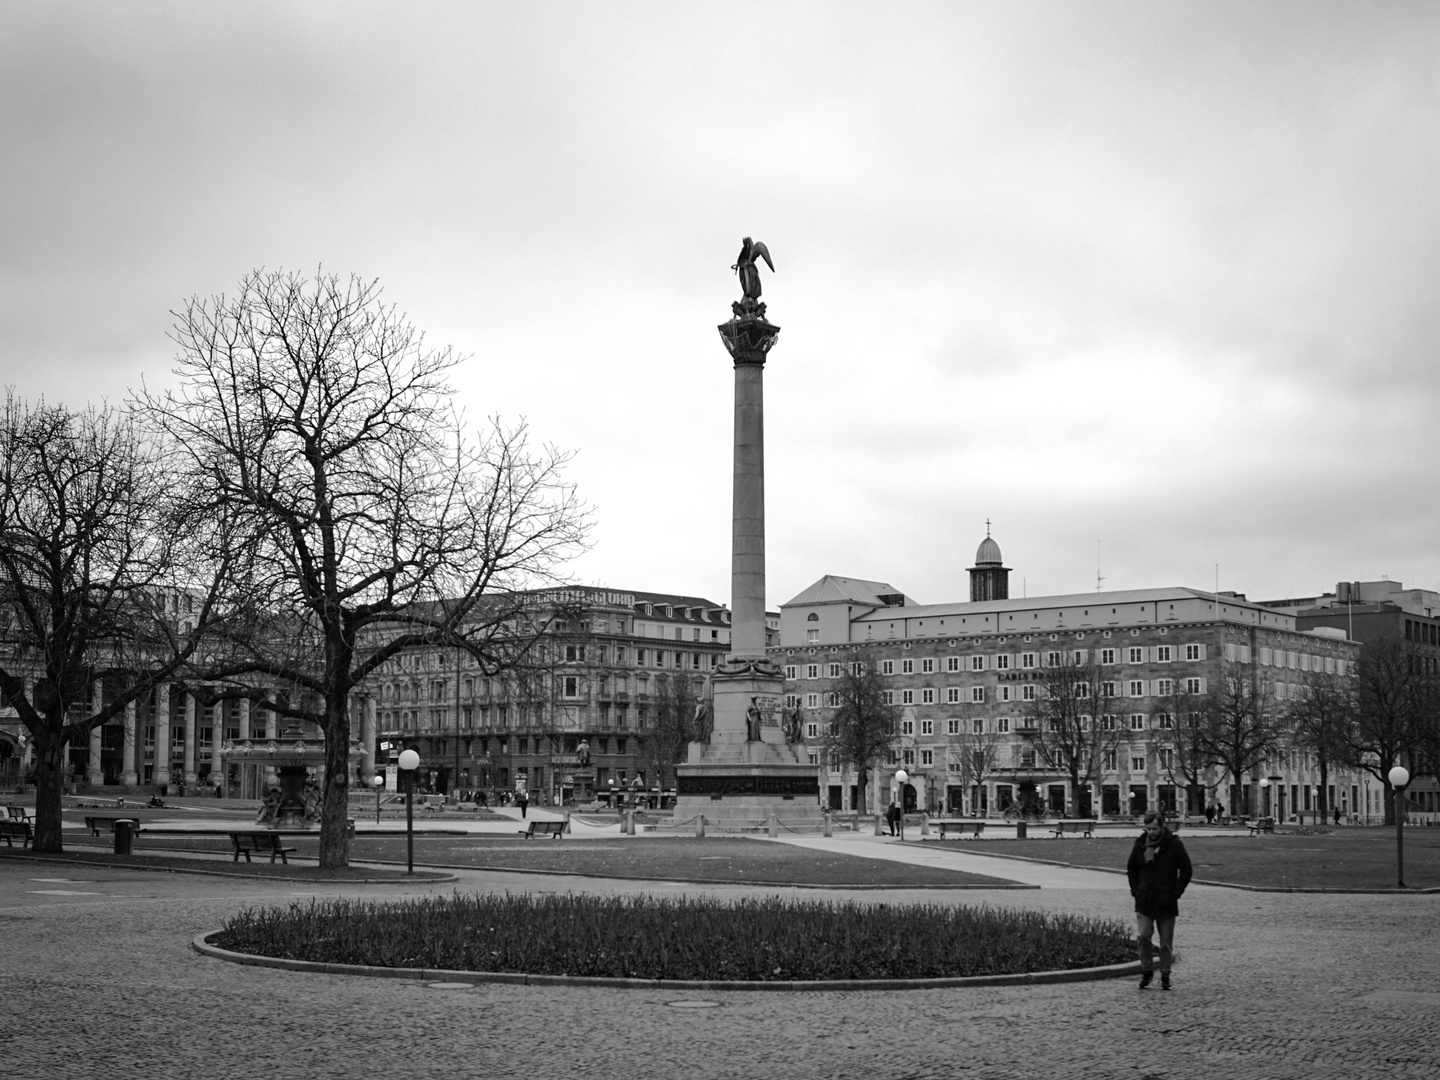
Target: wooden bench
(1076, 828)
(1264, 824)
(10, 829)
(259, 843)
(960, 828)
(544, 828)
(17, 813)
(94, 821)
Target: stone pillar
(747, 549)
(94, 774)
(243, 719)
(128, 776)
(217, 739)
(161, 771)
(190, 736)
(367, 739)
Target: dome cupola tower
(989, 578)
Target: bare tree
(864, 724)
(671, 725)
(971, 758)
(1394, 704)
(1240, 729)
(1065, 720)
(88, 593)
(1321, 718)
(1179, 722)
(316, 419)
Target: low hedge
(689, 938)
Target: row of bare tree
(1386, 712)
(299, 504)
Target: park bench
(94, 821)
(259, 843)
(17, 813)
(960, 828)
(10, 829)
(1264, 824)
(1078, 828)
(544, 828)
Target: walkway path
(97, 979)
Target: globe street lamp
(379, 787)
(901, 777)
(409, 762)
(1399, 777)
(1265, 792)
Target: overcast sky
(1150, 282)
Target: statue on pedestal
(703, 722)
(750, 250)
(753, 722)
(791, 722)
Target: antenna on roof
(1099, 578)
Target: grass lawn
(96, 854)
(718, 860)
(1344, 858)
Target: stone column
(242, 716)
(161, 771)
(217, 739)
(190, 736)
(94, 774)
(367, 738)
(747, 548)
(128, 777)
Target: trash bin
(124, 836)
(1020, 827)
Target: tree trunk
(335, 803)
(49, 787)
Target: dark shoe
(1164, 980)
(1146, 977)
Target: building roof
(832, 589)
(988, 553)
(1069, 600)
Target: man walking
(1159, 870)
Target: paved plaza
(99, 980)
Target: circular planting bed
(677, 943)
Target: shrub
(690, 938)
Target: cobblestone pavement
(97, 979)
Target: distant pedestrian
(892, 816)
(1209, 813)
(1337, 815)
(1159, 870)
(523, 801)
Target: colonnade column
(94, 774)
(160, 774)
(190, 733)
(127, 748)
(217, 737)
(367, 738)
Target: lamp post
(612, 793)
(409, 762)
(1319, 820)
(1265, 793)
(1399, 778)
(901, 777)
(379, 787)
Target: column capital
(749, 337)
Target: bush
(648, 938)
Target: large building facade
(966, 678)
(574, 724)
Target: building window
(1107, 722)
(887, 667)
(1167, 759)
(927, 666)
(952, 663)
(927, 758)
(952, 727)
(1027, 660)
(927, 697)
(887, 696)
(907, 667)
(792, 701)
(1052, 659)
(1194, 686)
(1136, 654)
(1002, 692)
(832, 700)
(927, 727)
(1164, 687)
(1027, 692)
(907, 697)
(1196, 652)
(907, 727)
(812, 701)
(1109, 765)
(812, 637)
(1107, 656)
(812, 731)
(977, 725)
(1002, 725)
(812, 671)
(1137, 764)
(1137, 721)
(1002, 662)
(1165, 720)
(909, 757)
(977, 694)
(1162, 654)
(977, 663)
(571, 687)
(836, 671)
(790, 671)
(1137, 688)
(952, 695)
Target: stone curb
(441, 879)
(202, 945)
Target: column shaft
(747, 559)
(190, 736)
(127, 748)
(160, 772)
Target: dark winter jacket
(1158, 885)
